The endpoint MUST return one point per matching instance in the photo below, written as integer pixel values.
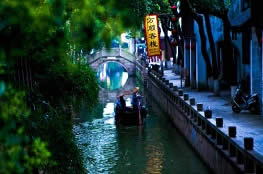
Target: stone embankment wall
(218, 150)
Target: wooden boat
(128, 116)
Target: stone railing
(220, 146)
(114, 52)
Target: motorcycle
(245, 102)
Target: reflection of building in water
(155, 155)
(102, 72)
(124, 79)
(112, 75)
(108, 82)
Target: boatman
(121, 102)
(135, 98)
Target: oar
(140, 118)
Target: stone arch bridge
(119, 55)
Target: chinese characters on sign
(152, 35)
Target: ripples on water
(98, 141)
(155, 148)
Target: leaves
(46, 35)
(17, 153)
(211, 7)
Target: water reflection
(155, 159)
(112, 75)
(108, 114)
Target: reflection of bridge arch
(121, 56)
(118, 62)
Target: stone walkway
(247, 124)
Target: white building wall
(255, 66)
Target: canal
(154, 148)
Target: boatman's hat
(123, 93)
(136, 89)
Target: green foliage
(228, 3)
(18, 152)
(59, 77)
(211, 7)
(45, 34)
(95, 22)
(85, 83)
(55, 128)
(41, 36)
(144, 7)
(35, 32)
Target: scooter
(243, 102)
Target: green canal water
(154, 148)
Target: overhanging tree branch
(199, 19)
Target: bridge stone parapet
(118, 55)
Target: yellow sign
(152, 35)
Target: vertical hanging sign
(152, 35)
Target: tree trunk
(199, 20)
(166, 54)
(179, 41)
(228, 59)
(171, 47)
(180, 46)
(212, 47)
(167, 40)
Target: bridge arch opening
(113, 61)
(112, 75)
